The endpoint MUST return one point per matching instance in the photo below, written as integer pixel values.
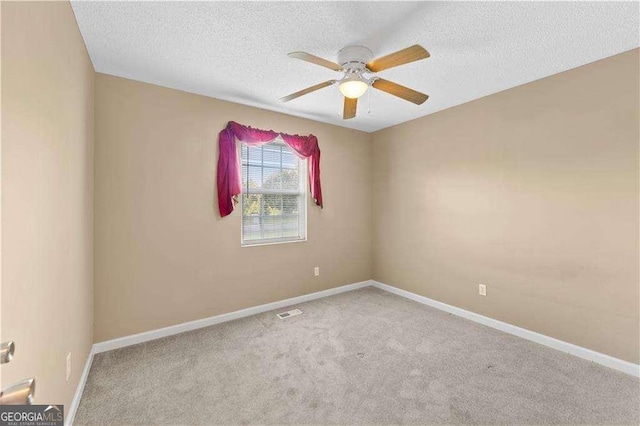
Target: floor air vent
(283, 315)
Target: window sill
(273, 242)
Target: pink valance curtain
(229, 177)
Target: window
(274, 195)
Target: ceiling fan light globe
(353, 88)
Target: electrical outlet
(482, 289)
(68, 366)
(316, 271)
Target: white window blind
(274, 195)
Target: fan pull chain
(369, 102)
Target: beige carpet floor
(363, 357)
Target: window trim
(303, 193)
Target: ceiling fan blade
(400, 91)
(350, 106)
(401, 57)
(315, 60)
(307, 90)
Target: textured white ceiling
(237, 51)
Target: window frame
(302, 194)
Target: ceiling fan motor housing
(354, 58)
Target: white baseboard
(75, 402)
(206, 322)
(570, 348)
(588, 354)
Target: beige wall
(47, 180)
(164, 256)
(533, 192)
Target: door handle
(20, 393)
(6, 352)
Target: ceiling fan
(355, 62)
